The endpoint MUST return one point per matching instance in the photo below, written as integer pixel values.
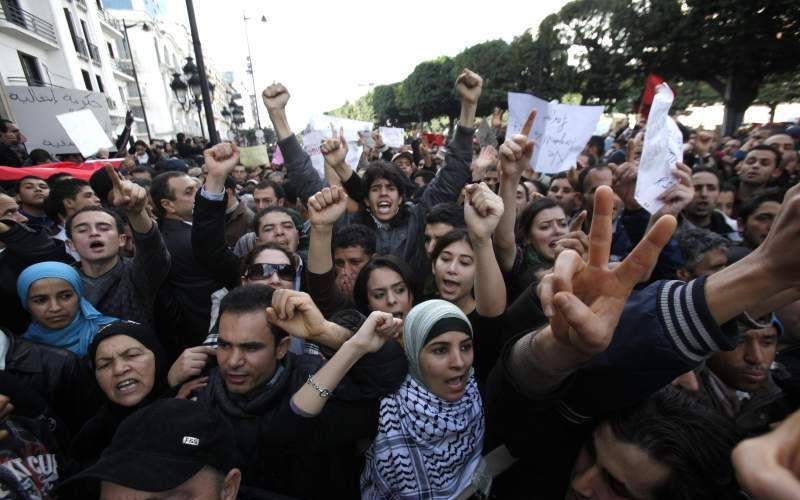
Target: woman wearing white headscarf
(430, 430)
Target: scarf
(426, 447)
(76, 336)
(533, 259)
(256, 402)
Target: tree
(361, 109)
(428, 90)
(388, 107)
(778, 89)
(732, 45)
(540, 63)
(492, 61)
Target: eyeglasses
(265, 271)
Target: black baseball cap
(162, 446)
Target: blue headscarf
(78, 335)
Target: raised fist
(275, 97)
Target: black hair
(448, 212)
(38, 156)
(120, 223)
(160, 190)
(392, 262)
(60, 191)
(427, 175)
(230, 183)
(749, 208)
(269, 210)
(266, 184)
(56, 177)
(251, 298)
(458, 234)
(772, 149)
(710, 170)
(251, 256)
(695, 243)
(384, 170)
(140, 169)
(36, 177)
(668, 426)
(727, 186)
(355, 235)
(599, 142)
(540, 187)
(584, 173)
(528, 214)
(4, 125)
(180, 137)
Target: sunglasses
(285, 272)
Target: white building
(64, 43)
(159, 48)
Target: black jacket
(56, 375)
(308, 457)
(9, 157)
(184, 302)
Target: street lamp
(190, 90)
(250, 64)
(145, 28)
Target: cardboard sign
(351, 127)
(561, 131)
(311, 142)
(254, 156)
(662, 149)
(36, 108)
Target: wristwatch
(323, 392)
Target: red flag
(649, 92)
(77, 170)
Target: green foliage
(428, 90)
(388, 105)
(491, 60)
(362, 109)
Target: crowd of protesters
(440, 322)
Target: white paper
(85, 131)
(351, 127)
(663, 148)
(392, 136)
(311, 142)
(561, 131)
(35, 110)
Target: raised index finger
(116, 182)
(600, 232)
(526, 129)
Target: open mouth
(97, 245)
(449, 286)
(127, 385)
(384, 207)
(456, 383)
(236, 379)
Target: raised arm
(455, 173)
(301, 175)
(297, 314)
(584, 302)
(482, 212)
(515, 156)
(208, 219)
(373, 334)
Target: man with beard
(702, 210)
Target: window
(122, 97)
(72, 29)
(100, 84)
(87, 80)
(30, 68)
(110, 50)
(85, 31)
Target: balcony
(81, 49)
(20, 22)
(81, 3)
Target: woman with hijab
(430, 430)
(128, 364)
(53, 294)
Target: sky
(328, 53)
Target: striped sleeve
(687, 321)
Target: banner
(77, 170)
(36, 108)
(254, 156)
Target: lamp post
(190, 89)
(205, 89)
(250, 65)
(145, 28)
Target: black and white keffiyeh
(426, 447)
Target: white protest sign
(351, 127)
(663, 148)
(35, 109)
(561, 131)
(392, 136)
(85, 131)
(311, 142)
